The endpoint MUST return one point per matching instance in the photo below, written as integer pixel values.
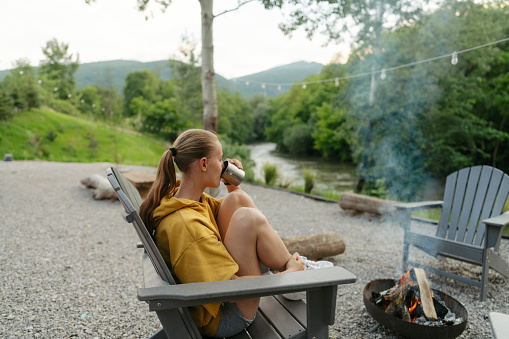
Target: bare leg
(232, 202)
(249, 238)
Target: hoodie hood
(170, 204)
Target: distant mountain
(113, 74)
(275, 81)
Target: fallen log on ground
(316, 246)
(358, 203)
(142, 181)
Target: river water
(330, 176)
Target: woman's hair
(190, 146)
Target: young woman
(206, 239)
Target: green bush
(51, 135)
(298, 139)
(270, 173)
(309, 180)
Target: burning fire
(411, 300)
(413, 306)
(403, 278)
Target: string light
(382, 74)
(453, 56)
(454, 59)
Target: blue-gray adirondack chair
(470, 225)
(276, 318)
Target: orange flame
(414, 304)
(403, 277)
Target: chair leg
(405, 256)
(159, 335)
(484, 276)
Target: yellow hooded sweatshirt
(190, 243)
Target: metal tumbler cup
(232, 174)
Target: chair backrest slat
(130, 191)
(480, 196)
(443, 223)
(473, 180)
(457, 205)
(489, 202)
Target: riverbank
(69, 266)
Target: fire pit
(413, 329)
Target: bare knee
(238, 199)
(248, 219)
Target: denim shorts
(232, 321)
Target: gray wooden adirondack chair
(470, 225)
(276, 318)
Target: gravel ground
(69, 266)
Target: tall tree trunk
(208, 80)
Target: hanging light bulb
(263, 85)
(454, 59)
(336, 82)
(382, 74)
(304, 86)
(279, 88)
(247, 83)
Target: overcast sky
(245, 41)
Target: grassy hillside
(48, 135)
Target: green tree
(294, 116)
(236, 120)
(187, 80)
(163, 118)
(260, 107)
(6, 106)
(22, 87)
(428, 119)
(332, 135)
(143, 84)
(59, 68)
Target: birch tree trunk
(208, 79)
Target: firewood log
(426, 297)
(364, 203)
(316, 246)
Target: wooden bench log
(316, 246)
(141, 180)
(358, 203)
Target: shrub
(309, 180)
(270, 173)
(51, 135)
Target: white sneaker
(310, 265)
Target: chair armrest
(184, 295)
(499, 221)
(415, 206)
(499, 324)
